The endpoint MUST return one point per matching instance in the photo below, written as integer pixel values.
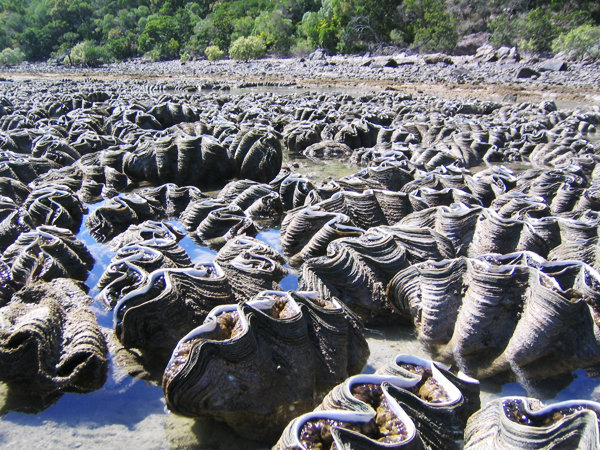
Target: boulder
(435, 58)
(318, 55)
(554, 65)
(391, 62)
(527, 72)
(486, 53)
(469, 45)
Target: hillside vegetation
(90, 32)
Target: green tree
(275, 29)
(159, 38)
(433, 28)
(539, 30)
(11, 57)
(213, 53)
(246, 48)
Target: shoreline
(464, 78)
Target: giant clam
(496, 313)
(116, 214)
(257, 364)
(520, 422)
(141, 250)
(410, 403)
(167, 304)
(50, 338)
(240, 208)
(256, 154)
(356, 271)
(23, 168)
(56, 206)
(190, 160)
(46, 253)
(297, 136)
(251, 266)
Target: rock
(391, 62)
(554, 65)
(486, 53)
(527, 72)
(514, 54)
(318, 55)
(509, 98)
(435, 58)
(469, 45)
(406, 61)
(508, 53)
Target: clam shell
(14, 189)
(356, 271)
(169, 303)
(494, 234)
(222, 224)
(56, 206)
(137, 257)
(46, 253)
(51, 339)
(427, 410)
(270, 369)
(503, 313)
(116, 214)
(251, 266)
(520, 422)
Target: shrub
(441, 36)
(164, 51)
(11, 57)
(504, 30)
(185, 56)
(276, 30)
(245, 48)
(87, 53)
(397, 37)
(434, 29)
(581, 42)
(539, 30)
(121, 46)
(214, 53)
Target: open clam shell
(439, 404)
(340, 429)
(258, 364)
(168, 304)
(520, 422)
(409, 403)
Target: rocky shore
(489, 74)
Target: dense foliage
(91, 32)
